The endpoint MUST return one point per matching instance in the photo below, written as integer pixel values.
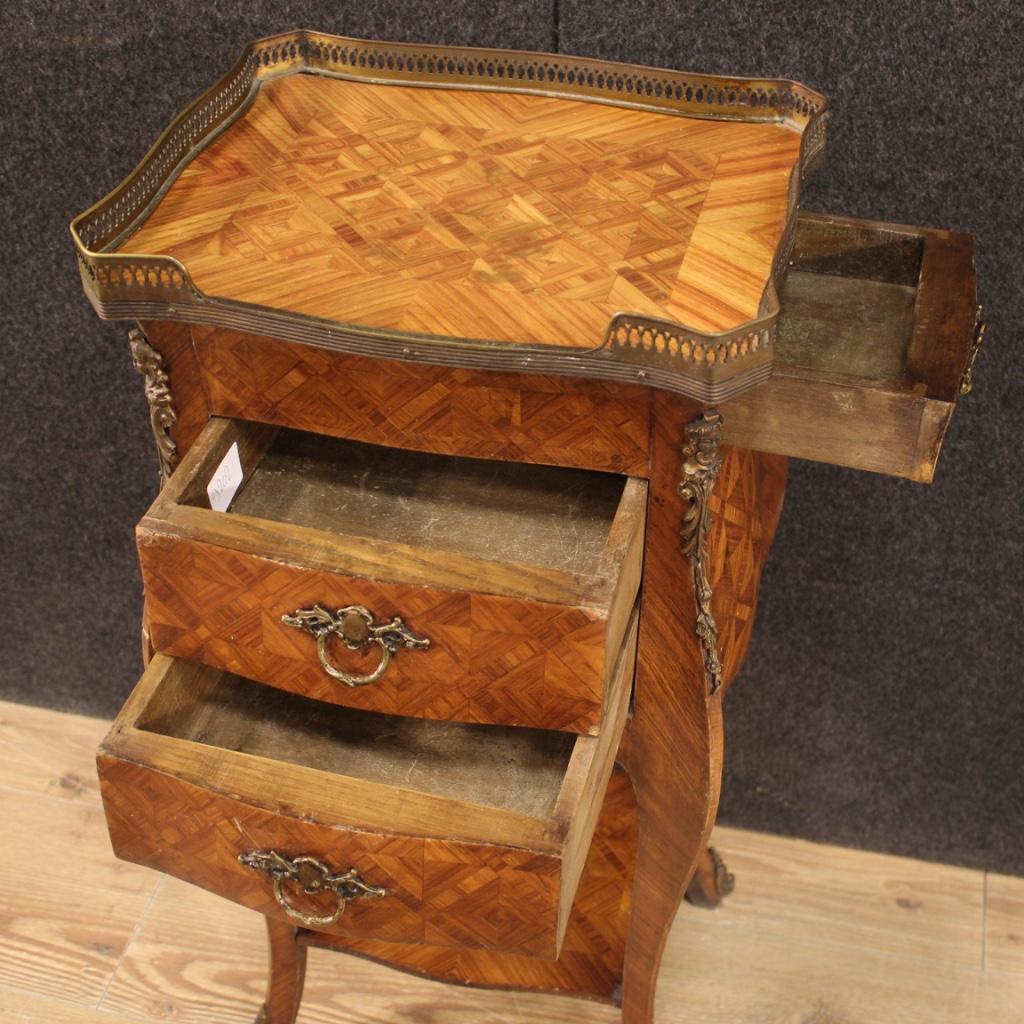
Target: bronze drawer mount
(355, 627)
(314, 877)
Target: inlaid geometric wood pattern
(523, 418)
(484, 215)
(672, 747)
(746, 504)
(491, 658)
(439, 892)
(590, 962)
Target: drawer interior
(540, 515)
(459, 823)
(848, 301)
(878, 324)
(516, 769)
(520, 578)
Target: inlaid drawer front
(400, 582)
(353, 822)
(554, 420)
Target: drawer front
(491, 658)
(435, 891)
(558, 421)
(476, 639)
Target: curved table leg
(673, 747)
(287, 974)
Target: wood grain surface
(672, 748)
(812, 933)
(482, 215)
(855, 384)
(438, 892)
(558, 421)
(877, 327)
(591, 959)
(503, 880)
(510, 644)
(1004, 923)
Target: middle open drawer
(393, 581)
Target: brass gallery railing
(706, 366)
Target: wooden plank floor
(812, 935)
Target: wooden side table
(473, 376)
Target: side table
(473, 377)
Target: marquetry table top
(569, 215)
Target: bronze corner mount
(702, 461)
(162, 415)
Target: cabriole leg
(287, 974)
(710, 519)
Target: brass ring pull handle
(980, 327)
(355, 627)
(314, 877)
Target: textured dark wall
(882, 704)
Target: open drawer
(357, 823)
(396, 581)
(878, 330)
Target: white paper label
(224, 484)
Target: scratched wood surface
(812, 933)
(482, 215)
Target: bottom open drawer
(353, 822)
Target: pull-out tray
(879, 327)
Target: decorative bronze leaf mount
(702, 461)
(162, 415)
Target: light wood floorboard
(1004, 924)
(813, 934)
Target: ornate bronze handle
(353, 625)
(314, 877)
(980, 327)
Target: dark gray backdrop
(882, 704)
